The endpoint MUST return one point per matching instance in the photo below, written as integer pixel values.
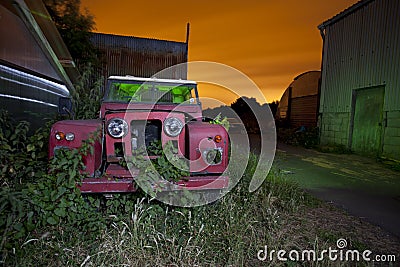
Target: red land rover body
(136, 112)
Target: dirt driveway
(361, 186)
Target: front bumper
(119, 180)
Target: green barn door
(367, 126)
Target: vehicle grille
(144, 133)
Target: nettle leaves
(169, 165)
(56, 197)
(165, 165)
(221, 121)
(37, 193)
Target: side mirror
(65, 106)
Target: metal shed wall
(299, 103)
(362, 50)
(29, 97)
(361, 56)
(283, 105)
(142, 57)
(304, 111)
(31, 77)
(20, 48)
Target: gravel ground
(320, 226)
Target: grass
(334, 148)
(390, 163)
(229, 232)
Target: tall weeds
(44, 220)
(228, 232)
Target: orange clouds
(270, 41)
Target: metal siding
(361, 50)
(29, 97)
(283, 105)
(18, 46)
(324, 71)
(19, 84)
(141, 56)
(305, 84)
(304, 111)
(303, 102)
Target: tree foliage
(87, 95)
(243, 106)
(274, 107)
(75, 28)
(247, 107)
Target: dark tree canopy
(274, 107)
(75, 28)
(246, 108)
(241, 106)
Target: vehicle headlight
(173, 126)
(117, 128)
(70, 136)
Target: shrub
(305, 137)
(87, 96)
(46, 220)
(38, 195)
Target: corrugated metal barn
(299, 103)
(360, 84)
(141, 57)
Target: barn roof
(344, 13)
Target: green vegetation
(307, 138)
(45, 220)
(334, 148)
(87, 96)
(75, 27)
(390, 163)
(221, 121)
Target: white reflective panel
(60, 89)
(28, 99)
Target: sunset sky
(270, 41)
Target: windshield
(150, 92)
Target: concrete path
(359, 185)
